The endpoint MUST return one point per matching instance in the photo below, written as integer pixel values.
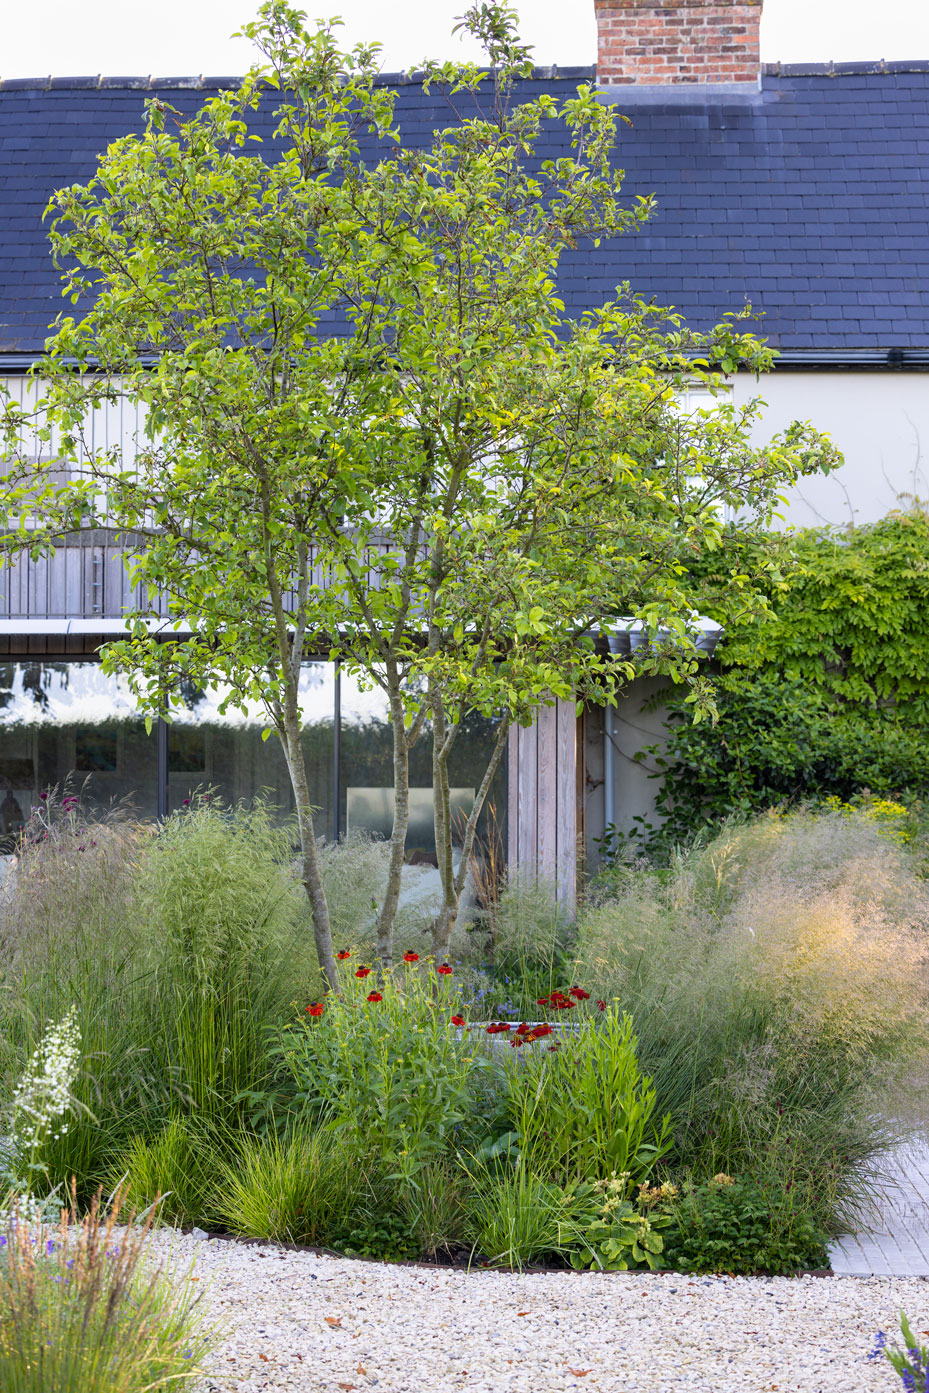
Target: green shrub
(515, 1217)
(389, 1071)
(742, 1227)
(828, 694)
(82, 1308)
(585, 1110)
(299, 1188)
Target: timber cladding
(542, 817)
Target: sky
(180, 37)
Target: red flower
(523, 1029)
(541, 1030)
(542, 1001)
(317, 1008)
(579, 994)
(343, 955)
(411, 957)
(362, 972)
(497, 1027)
(563, 1004)
(553, 1048)
(444, 969)
(375, 996)
(601, 1005)
(458, 1020)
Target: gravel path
(299, 1321)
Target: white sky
(179, 37)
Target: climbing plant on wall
(825, 694)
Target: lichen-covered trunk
(387, 917)
(309, 858)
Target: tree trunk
(444, 923)
(309, 859)
(388, 915)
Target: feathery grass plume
(83, 1308)
(778, 980)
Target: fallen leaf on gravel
(579, 1373)
(348, 1386)
(265, 1358)
(334, 1321)
(522, 1313)
(361, 1369)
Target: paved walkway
(897, 1245)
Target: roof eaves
(200, 82)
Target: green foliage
(389, 1072)
(515, 1217)
(825, 694)
(742, 1227)
(298, 1188)
(616, 1232)
(775, 982)
(226, 946)
(202, 952)
(85, 1309)
(585, 1108)
(178, 1165)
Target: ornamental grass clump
(84, 1309)
(779, 988)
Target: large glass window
(67, 724)
(225, 751)
(366, 782)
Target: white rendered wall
(880, 422)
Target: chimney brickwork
(678, 41)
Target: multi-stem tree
(340, 338)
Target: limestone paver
(897, 1243)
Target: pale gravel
(406, 1329)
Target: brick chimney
(667, 42)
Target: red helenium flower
(362, 972)
(498, 1027)
(411, 957)
(375, 996)
(541, 1030)
(317, 1009)
(601, 1005)
(457, 1020)
(444, 969)
(542, 1001)
(343, 955)
(579, 994)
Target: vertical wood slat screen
(542, 799)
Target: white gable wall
(880, 422)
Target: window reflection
(367, 775)
(66, 723)
(224, 751)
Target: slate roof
(808, 198)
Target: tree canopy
(372, 429)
